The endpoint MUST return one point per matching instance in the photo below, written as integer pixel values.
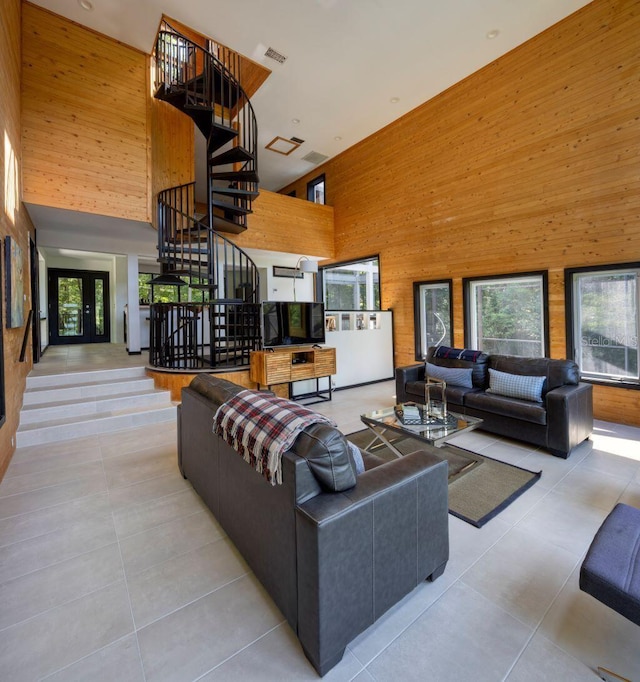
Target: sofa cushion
(516, 385)
(479, 366)
(557, 372)
(524, 410)
(327, 454)
(456, 376)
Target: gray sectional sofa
(559, 420)
(334, 550)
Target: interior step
(88, 425)
(61, 409)
(236, 176)
(86, 391)
(72, 405)
(224, 225)
(234, 191)
(233, 155)
(231, 208)
(218, 135)
(93, 376)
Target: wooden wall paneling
(281, 223)
(172, 149)
(84, 119)
(175, 382)
(528, 164)
(14, 220)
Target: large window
(507, 314)
(602, 335)
(351, 286)
(315, 190)
(433, 315)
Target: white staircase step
(87, 425)
(78, 378)
(60, 409)
(86, 390)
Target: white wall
(281, 288)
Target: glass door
(78, 306)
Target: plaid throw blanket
(261, 427)
(457, 353)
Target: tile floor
(111, 568)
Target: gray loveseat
(333, 550)
(559, 421)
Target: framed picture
(281, 271)
(14, 266)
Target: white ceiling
(345, 58)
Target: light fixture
(304, 264)
(492, 34)
(86, 5)
(337, 138)
(168, 280)
(394, 100)
(295, 120)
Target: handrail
(25, 338)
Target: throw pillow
(456, 376)
(457, 353)
(516, 385)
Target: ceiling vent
(273, 54)
(315, 158)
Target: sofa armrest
(569, 417)
(360, 551)
(403, 376)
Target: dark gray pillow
(327, 454)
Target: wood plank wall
(531, 163)
(281, 223)
(14, 220)
(84, 119)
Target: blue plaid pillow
(456, 376)
(516, 385)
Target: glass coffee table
(387, 427)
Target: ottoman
(611, 570)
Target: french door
(78, 306)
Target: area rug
(479, 487)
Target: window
(603, 321)
(315, 190)
(433, 315)
(507, 314)
(351, 286)
(166, 293)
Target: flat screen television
(285, 323)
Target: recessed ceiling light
(492, 34)
(337, 138)
(295, 120)
(86, 4)
(394, 100)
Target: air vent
(315, 158)
(272, 54)
(297, 140)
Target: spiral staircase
(219, 332)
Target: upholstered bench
(611, 569)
